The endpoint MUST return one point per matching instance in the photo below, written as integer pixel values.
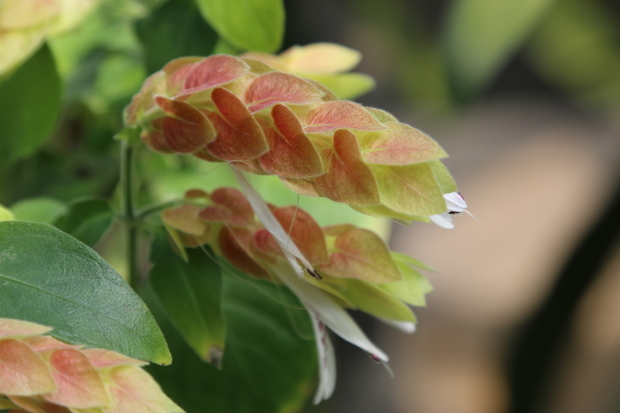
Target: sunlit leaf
(248, 24)
(5, 214)
(41, 209)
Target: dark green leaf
(41, 209)
(176, 29)
(248, 24)
(48, 277)
(270, 361)
(29, 105)
(190, 293)
(86, 219)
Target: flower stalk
(130, 220)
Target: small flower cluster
(244, 111)
(39, 374)
(347, 267)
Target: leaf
(173, 30)
(50, 278)
(5, 214)
(29, 105)
(42, 209)
(86, 219)
(270, 361)
(191, 296)
(249, 24)
(481, 35)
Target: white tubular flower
(456, 204)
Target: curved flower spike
(262, 120)
(347, 267)
(39, 374)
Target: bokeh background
(523, 94)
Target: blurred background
(525, 97)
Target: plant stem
(129, 214)
(151, 209)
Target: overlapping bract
(242, 111)
(39, 374)
(354, 265)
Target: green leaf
(191, 296)
(29, 105)
(86, 219)
(222, 46)
(481, 35)
(256, 25)
(173, 30)
(41, 209)
(50, 278)
(270, 361)
(5, 214)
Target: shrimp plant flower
(344, 267)
(276, 115)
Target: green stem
(152, 209)
(129, 213)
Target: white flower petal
(272, 225)
(443, 220)
(455, 202)
(404, 326)
(328, 311)
(327, 360)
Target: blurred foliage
(479, 36)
